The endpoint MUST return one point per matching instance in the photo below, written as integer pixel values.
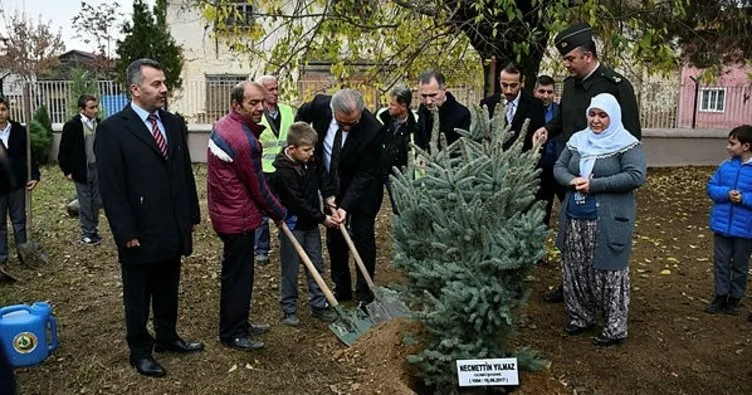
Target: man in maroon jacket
(239, 197)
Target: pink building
(725, 103)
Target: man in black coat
(452, 114)
(518, 104)
(78, 163)
(349, 149)
(399, 130)
(150, 199)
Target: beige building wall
(210, 68)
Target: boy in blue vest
(730, 188)
(298, 181)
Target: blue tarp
(111, 104)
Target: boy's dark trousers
(310, 240)
(89, 202)
(731, 265)
(13, 203)
(236, 285)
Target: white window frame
(242, 16)
(712, 102)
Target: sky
(59, 14)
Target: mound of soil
(380, 357)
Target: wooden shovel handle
(309, 265)
(354, 251)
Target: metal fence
(662, 105)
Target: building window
(713, 99)
(218, 88)
(239, 14)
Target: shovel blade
(33, 254)
(5, 275)
(386, 306)
(350, 325)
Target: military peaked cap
(573, 37)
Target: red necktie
(158, 138)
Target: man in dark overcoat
(149, 196)
(349, 149)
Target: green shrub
(41, 141)
(43, 117)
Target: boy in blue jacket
(730, 188)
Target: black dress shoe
(603, 341)
(179, 346)
(243, 343)
(574, 330)
(554, 296)
(256, 329)
(147, 366)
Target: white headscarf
(614, 139)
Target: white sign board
(477, 372)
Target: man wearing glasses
(349, 148)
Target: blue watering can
(27, 333)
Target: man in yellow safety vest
(277, 119)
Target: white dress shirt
(329, 142)
(144, 115)
(511, 107)
(5, 134)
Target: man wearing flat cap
(588, 78)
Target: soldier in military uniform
(588, 78)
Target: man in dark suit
(518, 106)
(452, 114)
(545, 91)
(149, 197)
(349, 149)
(78, 163)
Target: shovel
(5, 275)
(386, 304)
(30, 252)
(350, 325)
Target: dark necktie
(158, 138)
(334, 162)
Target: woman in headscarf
(601, 166)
